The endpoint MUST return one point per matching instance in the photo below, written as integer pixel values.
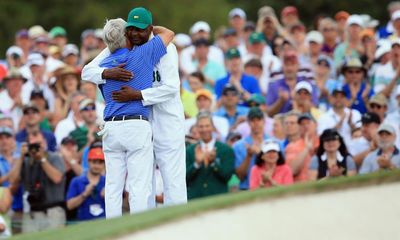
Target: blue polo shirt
(359, 103)
(240, 111)
(249, 83)
(141, 60)
(240, 154)
(22, 136)
(94, 206)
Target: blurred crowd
(267, 103)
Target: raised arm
(165, 34)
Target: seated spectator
(386, 156)
(332, 158)
(41, 172)
(234, 113)
(270, 168)
(209, 163)
(249, 147)
(245, 84)
(5, 204)
(86, 192)
(32, 127)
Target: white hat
(303, 85)
(396, 41)
(237, 12)
(384, 48)
(270, 146)
(70, 49)
(395, 15)
(98, 33)
(386, 127)
(200, 26)
(14, 50)
(182, 40)
(314, 36)
(36, 31)
(35, 59)
(355, 19)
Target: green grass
(110, 229)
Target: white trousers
(128, 151)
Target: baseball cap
(37, 93)
(14, 50)
(249, 26)
(230, 88)
(289, 10)
(370, 117)
(268, 146)
(200, 26)
(229, 32)
(182, 40)
(30, 107)
(338, 89)
(96, 154)
(303, 85)
(255, 113)
(233, 135)
(355, 19)
(70, 49)
(35, 59)
(304, 116)
(379, 99)
(6, 131)
(88, 32)
(352, 63)
(330, 134)
(14, 73)
(256, 98)
(237, 12)
(68, 140)
(23, 33)
(314, 36)
(395, 15)
(204, 93)
(57, 31)
(232, 53)
(384, 48)
(324, 59)
(36, 31)
(256, 37)
(85, 103)
(139, 17)
(201, 42)
(385, 127)
(341, 15)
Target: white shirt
(330, 119)
(65, 127)
(383, 76)
(186, 57)
(208, 146)
(48, 94)
(6, 103)
(357, 145)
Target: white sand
(365, 213)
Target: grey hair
(204, 114)
(291, 113)
(114, 34)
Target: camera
(36, 196)
(34, 147)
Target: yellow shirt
(189, 103)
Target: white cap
(303, 85)
(35, 59)
(395, 15)
(315, 36)
(237, 12)
(355, 19)
(200, 26)
(270, 146)
(98, 33)
(70, 49)
(14, 50)
(384, 48)
(182, 40)
(396, 41)
(36, 31)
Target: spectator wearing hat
(58, 36)
(270, 168)
(351, 47)
(356, 89)
(339, 116)
(249, 147)
(15, 57)
(298, 150)
(378, 104)
(237, 20)
(256, 100)
(230, 39)
(67, 83)
(302, 100)
(289, 16)
(314, 41)
(269, 25)
(386, 156)
(387, 30)
(332, 158)
(244, 83)
(234, 113)
(37, 65)
(297, 34)
(199, 29)
(341, 20)
(89, 43)
(209, 163)
(37, 99)
(360, 147)
(11, 98)
(86, 192)
(204, 102)
(85, 134)
(279, 99)
(329, 30)
(70, 55)
(395, 18)
(23, 41)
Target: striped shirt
(140, 61)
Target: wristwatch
(73, 162)
(43, 160)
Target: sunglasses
(89, 108)
(354, 71)
(30, 112)
(374, 105)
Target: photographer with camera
(41, 172)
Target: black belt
(126, 117)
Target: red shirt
(282, 175)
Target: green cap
(255, 113)
(139, 17)
(232, 53)
(57, 31)
(256, 37)
(256, 98)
